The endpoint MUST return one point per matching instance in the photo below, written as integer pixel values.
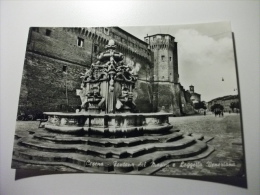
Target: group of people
(219, 112)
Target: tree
(216, 107)
(199, 105)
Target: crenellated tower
(165, 82)
(164, 48)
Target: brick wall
(52, 50)
(44, 83)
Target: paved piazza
(227, 157)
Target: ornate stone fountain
(107, 102)
(108, 134)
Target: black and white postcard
(147, 100)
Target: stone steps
(199, 137)
(106, 142)
(51, 133)
(89, 163)
(156, 167)
(107, 152)
(135, 155)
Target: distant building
(195, 97)
(225, 101)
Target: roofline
(196, 93)
(227, 97)
(129, 34)
(160, 34)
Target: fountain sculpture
(109, 134)
(107, 101)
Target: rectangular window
(80, 42)
(48, 32)
(64, 68)
(162, 58)
(95, 48)
(170, 59)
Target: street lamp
(66, 85)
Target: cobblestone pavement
(226, 160)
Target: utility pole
(66, 86)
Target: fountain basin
(125, 123)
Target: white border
(18, 16)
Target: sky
(205, 56)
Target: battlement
(125, 42)
(160, 41)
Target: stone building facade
(225, 101)
(55, 57)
